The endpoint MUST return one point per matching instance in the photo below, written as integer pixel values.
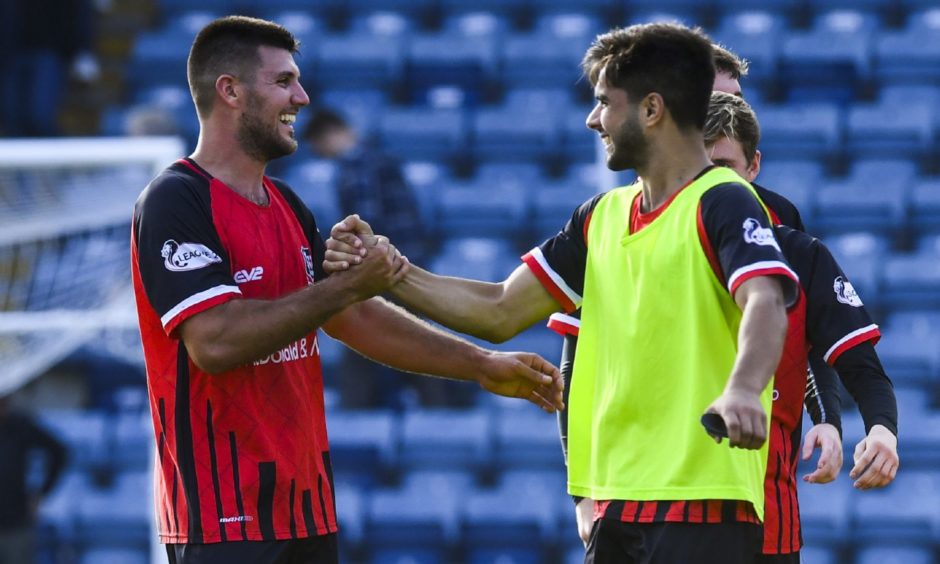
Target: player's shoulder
(801, 250)
(175, 187)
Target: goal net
(65, 211)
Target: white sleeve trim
(847, 338)
(762, 265)
(195, 299)
(555, 277)
(566, 319)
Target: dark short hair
(322, 122)
(229, 45)
(728, 63)
(730, 116)
(668, 58)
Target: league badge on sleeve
(308, 263)
(845, 292)
(180, 257)
(757, 235)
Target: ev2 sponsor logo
(180, 257)
(755, 234)
(845, 292)
(246, 275)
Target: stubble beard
(258, 139)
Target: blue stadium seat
(542, 60)
(350, 511)
(818, 555)
(307, 28)
(908, 57)
(580, 24)
(912, 282)
(858, 244)
(880, 130)
(798, 180)
(925, 207)
(382, 24)
(320, 8)
(689, 11)
(919, 447)
(362, 107)
(501, 526)
(477, 24)
(133, 441)
(579, 143)
(312, 180)
(117, 517)
(419, 134)
(800, 131)
(445, 482)
(781, 7)
(527, 437)
(754, 36)
(538, 100)
(831, 61)
(555, 203)
(522, 174)
(483, 209)
(856, 203)
(359, 61)
(469, 63)
(416, 9)
(425, 177)
(507, 8)
(409, 526)
(170, 9)
(598, 9)
(511, 134)
(83, 432)
(910, 355)
(114, 556)
(929, 244)
(159, 57)
(904, 94)
(825, 512)
(907, 511)
(479, 258)
(445, 439)
(362, 445)
(656, 14)
(894, 555)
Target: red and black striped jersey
(241, 455)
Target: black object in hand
(715, 425)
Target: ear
(753, 168)
(228, 90)
(652, 109)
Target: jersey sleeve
(739, 240)
(559, 262)
(822, 399)
(836, 318)
(183, 267)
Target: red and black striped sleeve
(559, 262)
(739, 240)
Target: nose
(300, 97)
(593, 120)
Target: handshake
(370, 262)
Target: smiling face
(266, 125)
(618, 124)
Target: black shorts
(792, 558)
(313, 550)
(614, 542)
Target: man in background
(371, 183)
(20, 439)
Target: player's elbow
(211, 359)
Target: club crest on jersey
(755, 234)
(308, 263)
(180, 257)
(845, 292)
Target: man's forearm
(760, 342)
(493, 312)
(241, 331)
(407, 343)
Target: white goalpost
(65, 211)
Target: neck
(220, 155)
(673, 163)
